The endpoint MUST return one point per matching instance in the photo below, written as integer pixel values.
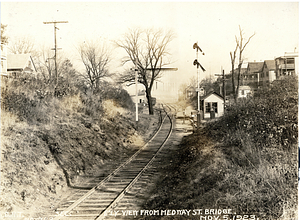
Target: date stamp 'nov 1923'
(203, 214)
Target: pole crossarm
(55, 44)
(54, 22)
(163, 69)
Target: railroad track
(108, 193)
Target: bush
(116, 93)
(245, 161)
(27, 97)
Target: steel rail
(133, 181)
(107, 178)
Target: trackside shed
(212, 105)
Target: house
(287, 65)
(3, 69)
(253, 73)
(189, 92)
(212, 103)
(19, 63)
(141, 97)
(268, 74)
(244, 91)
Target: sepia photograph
(144, 110)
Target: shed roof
(211, 93)
(17, 61)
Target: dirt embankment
(245, 161)
(39, 159)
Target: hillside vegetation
(50, 136)
(246, 161)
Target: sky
(213, 25)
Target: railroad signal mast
(196, 62)
(55, 45)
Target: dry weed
(8, 119)
(112, 109)
(137, 140)
(71, 103)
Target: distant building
(141, 97)
(287, 65)
(244, 92)
(18, 64)
(3, 69)
(252, 75)
(189, 92)
(268, 73)
(261, 74)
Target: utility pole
(224, 89)
(55, 45)
(136, 96)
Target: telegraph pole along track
(120, 188)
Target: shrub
(116, 93)
(245, 161)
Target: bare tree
(148, 51)
(44, 63)
(22, 45)
(241, 44)
(4, 38)
(95, 58)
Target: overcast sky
(213, 25)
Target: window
(243, 92)
(207, 107)
(290, 61)
(215, 106)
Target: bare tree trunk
(232, 56)
(239, 46)
(238, 79)
(149, 99)
(233, 87)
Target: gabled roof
(18, 61)
(211, 93)
(270, 64)
(254, 67)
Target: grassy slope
(85, 136)
(247, 161)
